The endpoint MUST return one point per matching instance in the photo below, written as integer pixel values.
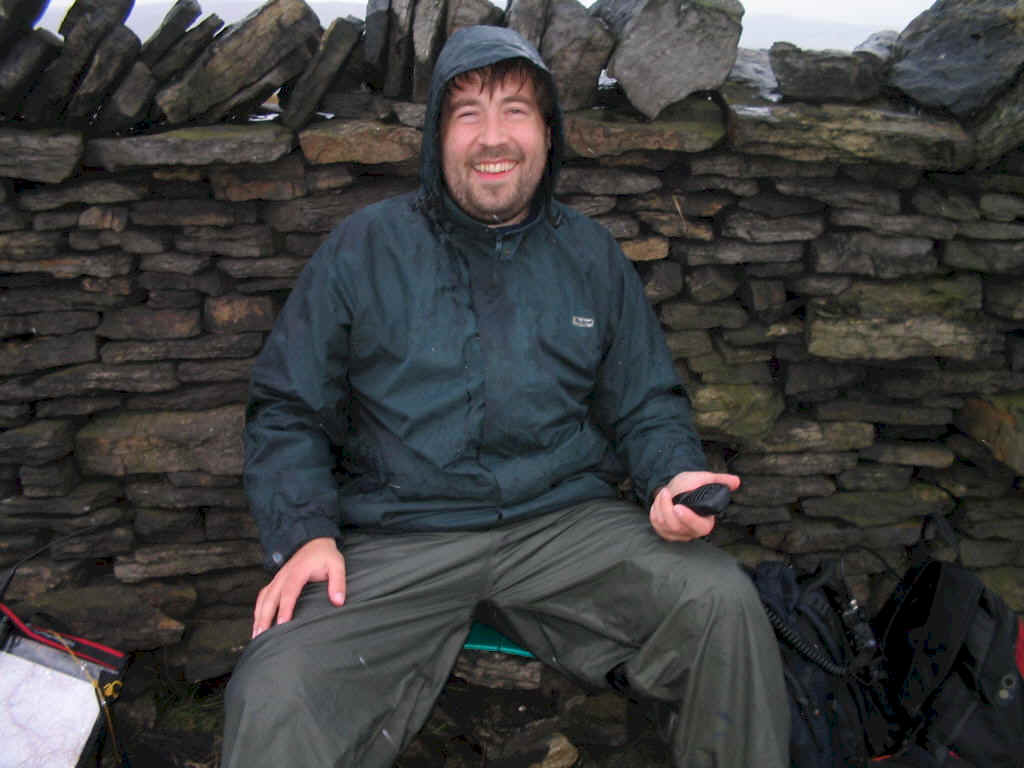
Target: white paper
(46, 716)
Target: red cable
(29, 632)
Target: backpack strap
(944, 530)
(1019, 649)
(951, 602)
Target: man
(485, 364)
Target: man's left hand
(674, 522)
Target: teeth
(494, 167)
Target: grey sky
(810, 24)
(894, 14)
(884, 14)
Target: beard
(505, 199)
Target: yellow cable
(101, 693)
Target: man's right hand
(316, 560)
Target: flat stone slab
(163, 561)
(320, 213)
(997, 421)
(359, 141)
(186, 49)
(336, 44)
(200, 145)
(114, 56)
(850, 134)
(19, 357)
(866, 508)
(128, 104)
(960, 297)
(695, 125)
(795, 435)
(737, 410)
(205, 347)
(85, 27)
(428, 35)
(40, 155)
(86, 505)
(124, 617)
(175, 24)
(238, 57)
(37, 443)
(823, 76)
(879, 338)
(23, 63)
(92, 377)
(173, 441)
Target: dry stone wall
(842, 287)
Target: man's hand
(674, 522)
(316, 560)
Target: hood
(472, 48)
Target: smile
(501, 167)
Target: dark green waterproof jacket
(428, 372)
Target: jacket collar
(462, 227)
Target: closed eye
(518, 110)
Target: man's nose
(493, 129)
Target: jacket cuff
(277, 550)
(661, 482)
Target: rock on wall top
(951, 79)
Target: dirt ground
(161, 721)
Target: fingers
(730, 480)
(336, 581)
(316, 560)
(289, 594)
(276, 601)
(266, 609)
(674, 522)
(688, 481)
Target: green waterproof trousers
(586, 590)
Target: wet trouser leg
(587, 590)
(350, 686)
(601, 589)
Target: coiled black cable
(804, 648)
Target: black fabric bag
(832, 667)
(955, 655)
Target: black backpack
(838, 707)
(955, 655)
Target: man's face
(494, 146)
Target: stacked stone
(842, 290)
(963, 59)
(133, 304)
(845, 330)
(102, 78)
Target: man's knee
(717, 587)
(704, 567)
(733, 585)
(261, 677)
